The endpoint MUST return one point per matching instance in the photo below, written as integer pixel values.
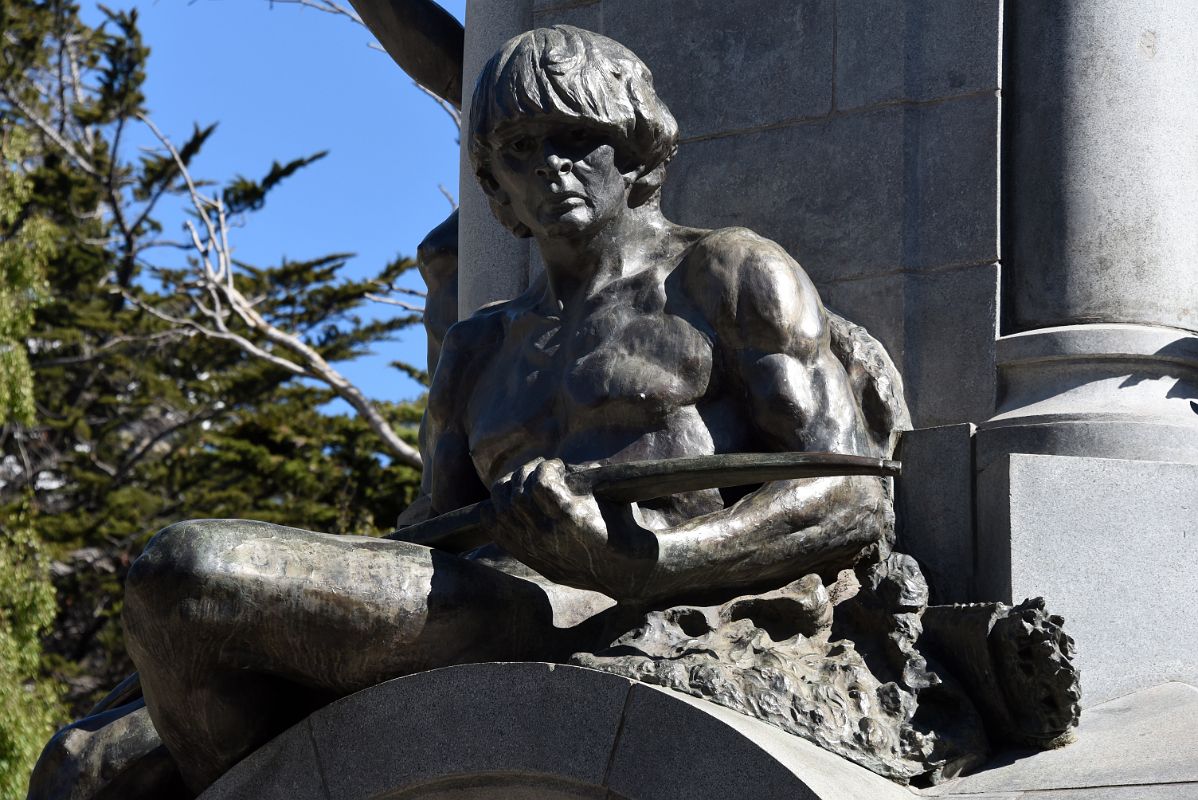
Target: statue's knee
(176, 553)
(172, 569)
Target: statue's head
(580, 79)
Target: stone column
(1100, 254)
(1102, 112)
(1077, 497)
(493, 264)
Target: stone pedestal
(539, 732)
(545, 732)
(1139, 747)
(1113, 543)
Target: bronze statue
(643, 339)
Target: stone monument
(999, 192)
(632, 338)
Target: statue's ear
(646, 185)
(501, 206)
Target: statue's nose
(555, 165)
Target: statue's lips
(564, 202)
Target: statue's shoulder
(736, 242)
(468, 342)
(752, 284)
(482, 329)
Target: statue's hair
(569, 74)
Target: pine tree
(30, 707)
(26, 242)
(138, 421)
(29, 702)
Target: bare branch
(197, 200)
(446, 106)
(25, 462)
(103, 466)
(198, 329)
(390, 288)
(327, 6)
(223, 251)
(48, 131)
(453, 201)
(172, 243)
(392, 302)
(136, 456)
(215, 278)
(76, 83)
(62, 85)
(112, 344)
(326, 374)
(107, 241)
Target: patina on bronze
(642, 340)
(636, 481)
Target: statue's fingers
(526, 471)
(519, 506)
(501, 494)
(549, 488)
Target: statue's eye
(520, 146)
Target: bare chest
(620, 379)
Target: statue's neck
(575, 268)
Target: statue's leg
(241, 628)
(112, 755)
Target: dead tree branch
(391, 301)
(449, 108)
(328, 6)
(223, 313)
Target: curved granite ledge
(534, 731)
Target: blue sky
(288, 81)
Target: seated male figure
(641, 339)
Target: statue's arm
(773, 336)
(450, 480)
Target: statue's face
(560, 180)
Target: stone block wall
(863, 136)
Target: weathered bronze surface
(642, 340)
(636, 481)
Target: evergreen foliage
(29, 704)
(136, 423)
(26, 241)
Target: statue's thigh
(335, 611)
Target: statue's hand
(562, 534)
